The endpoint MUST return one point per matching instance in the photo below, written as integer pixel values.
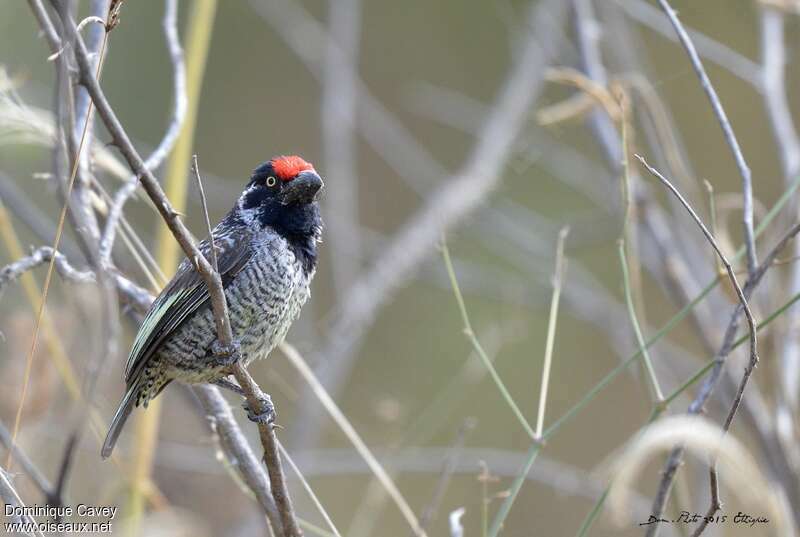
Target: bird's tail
(119, 420)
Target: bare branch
(40, 256)
(232, 442)
(205, 270)
(255, 397)
(238, 452)
(272, 457)
(715, 503)
(730, 136)
(709, 384)
(731, 274)
(150, 183)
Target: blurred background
(393, 103)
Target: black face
(287, 206)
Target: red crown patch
(287, 168)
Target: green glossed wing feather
(184, 295)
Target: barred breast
(264, 299)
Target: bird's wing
(185, 294)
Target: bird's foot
(229, 385)
(264, 414)
(226, 355)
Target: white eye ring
(271, 181)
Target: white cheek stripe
(247, 215)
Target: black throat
(300, 225)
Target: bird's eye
(271, 181)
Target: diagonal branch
(255, 397)
(731, 274)
(730, 137)
(231, 439)
(181, 233)
(235, 446)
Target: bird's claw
(267, 410)
(226, 355)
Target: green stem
(477, 345)
(651, 372)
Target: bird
(266, 248)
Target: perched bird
(267, 254)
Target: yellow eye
(271, 181)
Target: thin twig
(67, 459)
(715, 503)
(272, 458)
(470, 333)
(728, 268)
(253, 394)
(628, 211)
(558, 276)
(204, 205)
(730, 136)
(729, 343)
(150, 183)
(626, 285)
(309, 490)
(344, 424)
(40, 256)
(677, 454)
(237, 450)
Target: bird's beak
(302, 189)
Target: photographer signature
(685, 517)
